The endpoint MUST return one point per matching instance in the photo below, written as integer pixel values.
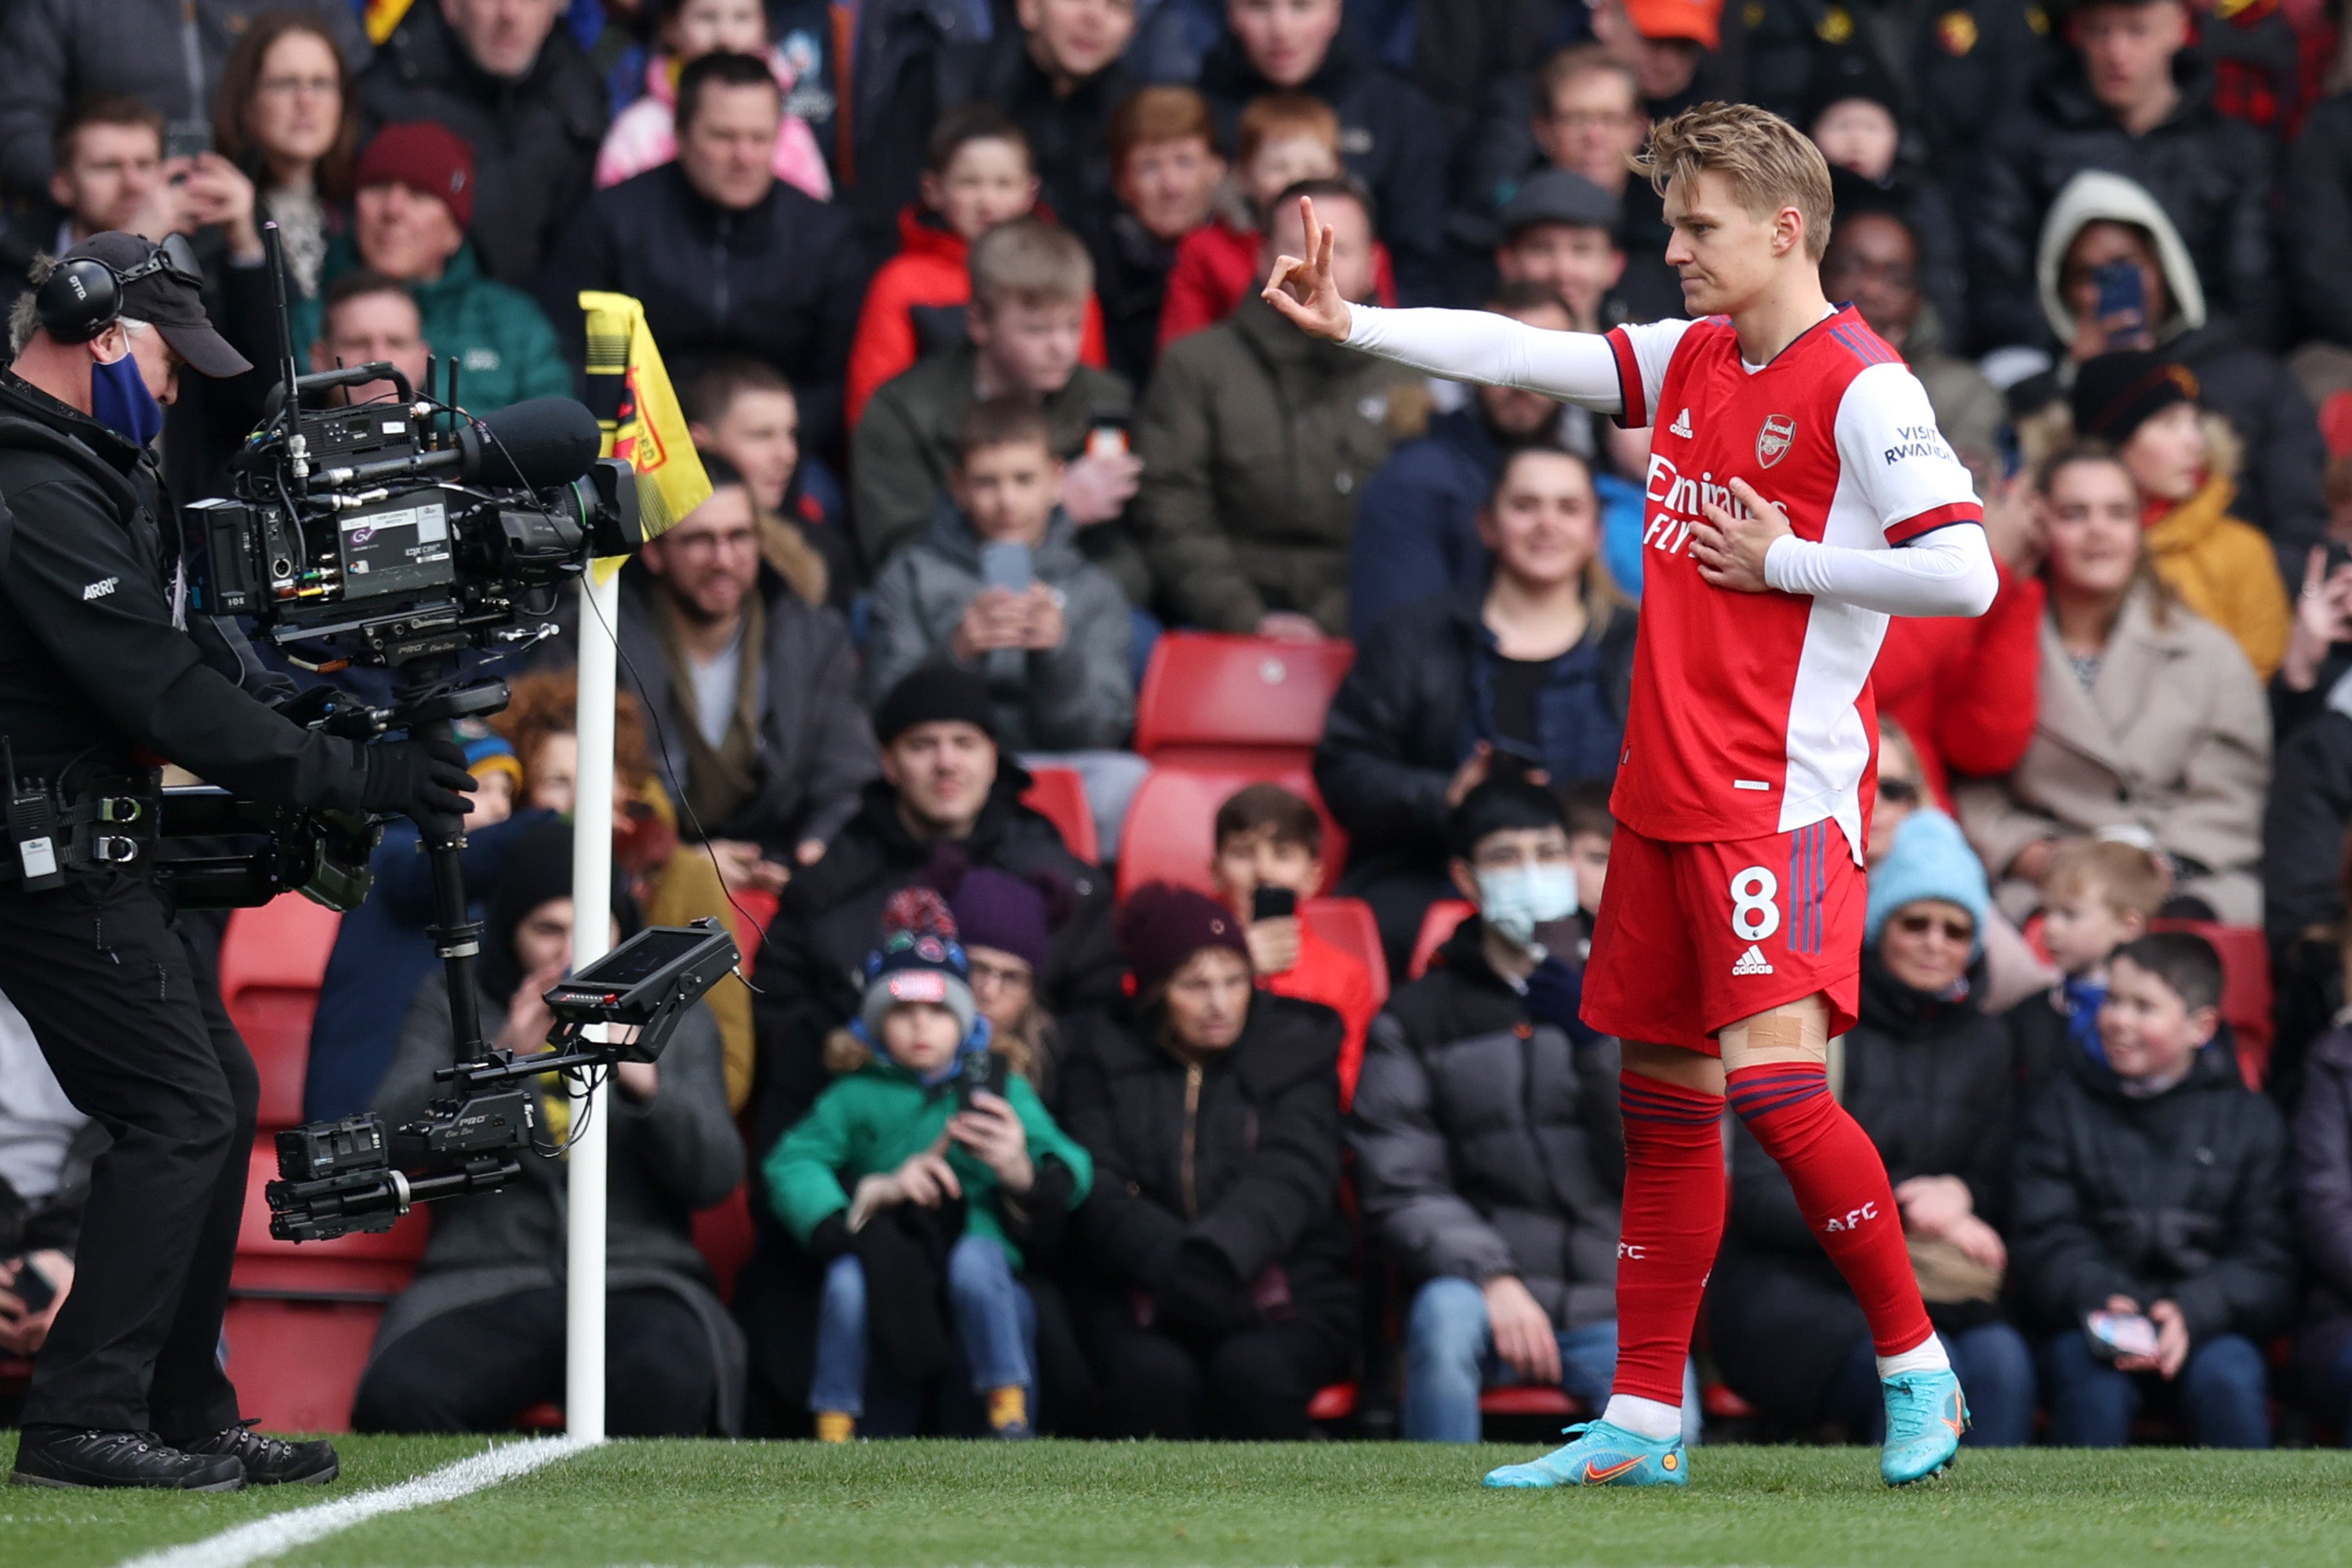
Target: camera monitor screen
(642, 957)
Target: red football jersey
(1752, 713)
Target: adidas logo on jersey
(1681, 427)
(1752, 961)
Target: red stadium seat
(1347, 925)
(1333, 1401)
(1531, 1399)
(723, 1234)
(301, 1319)
(2245, 990)
(1059, 796)
(2336, 423)
(1202, 689)
(1436, 930)
(758, 909)
(1172, 833)
(272, 961)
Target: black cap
(937, 693)
(2115, 394)
(170, 299)
(1560, 195)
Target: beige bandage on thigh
(1793, 1032)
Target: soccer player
(1799, 493)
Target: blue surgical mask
(119, 399)
(1515, 900)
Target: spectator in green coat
(907, 1169)
(415, 200)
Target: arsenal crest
(1772, 442)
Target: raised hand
(1303, 290)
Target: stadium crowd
(960, 297)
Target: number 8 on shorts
(1755, 914)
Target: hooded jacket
(2285, 456)
(505, 349)
(2210, 174)
(2225, 571)
(1489, 1143)
(1930, 1080)
(1256, 440)
(915, 308)
(2173, 737)
(2181, 1196)
(1392, 137)
(534, 139)
(1219, 1181)
(1075, 697)
(771, 280)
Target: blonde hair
(1028, 261)
(2125, 876)
(1770, 164)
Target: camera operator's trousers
(142, 1048)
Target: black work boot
(271, 1461)
(80, 1456)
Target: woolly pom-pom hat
(920, 959)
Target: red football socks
(1841, 1190)
(1674, 1192)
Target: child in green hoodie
(905, 1126)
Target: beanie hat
(2117, 394)
(936, 693)
(1844, 71)
(537, 870)
(1700, 21)
(920, 959)
(488, 754)
(1015, 914)
(1161, 926)
(1928, 860)
(426, 157)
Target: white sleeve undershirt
(1496, 351)
(1947, 573)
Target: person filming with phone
(996, 585)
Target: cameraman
(101, 678)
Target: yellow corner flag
(382, 16)
(637, 409)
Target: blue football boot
(1925, 1418)
(1602, 1455)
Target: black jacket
(2322, 1172)
(93, 671)
(830, 917)
(1393, 138)
(2316, 210)
(780, 280)
(2303, 827)
(1930, 1082)
(1209, 1178)
(2181, 1196)
(1408, 712)
(1487, 1144)
(1069, 135)
(534, 139)
(2211, 174)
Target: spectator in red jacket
(1269, 839)
(977, 173)
(1283, 138)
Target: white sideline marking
(281, 1532)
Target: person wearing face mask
(101, 678)
(1489, 1152)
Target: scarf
(717, 780)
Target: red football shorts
(1694, 937)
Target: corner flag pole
(630, 392)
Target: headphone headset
(84, 296)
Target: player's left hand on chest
(1729, 547)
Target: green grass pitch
(1339, 1503)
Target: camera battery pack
(33, 837)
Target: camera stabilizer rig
(340, 1176)
(401, 534)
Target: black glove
(415, 777)
(1204, 1291)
